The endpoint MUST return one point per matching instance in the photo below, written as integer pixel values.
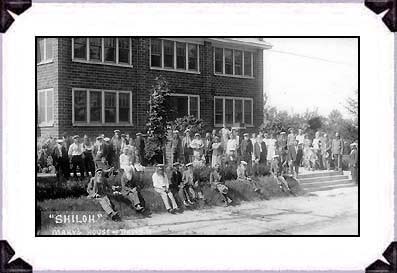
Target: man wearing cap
(61, 159)
(337, 151)
(140, 147)
(187, 150)
(353, 162)
(88, 147)
(97, 189)
(76, 154)
(246, 150)
(176, 146)
(161, 186)
(116, 145)
(208, 148)
(295, 155)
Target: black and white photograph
(197, 136)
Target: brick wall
(64, 75)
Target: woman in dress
(216, 152)
(307, 143)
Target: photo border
(390, 253)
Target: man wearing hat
(116, 146)
(161, 186)
(97, 189)
(246, 150)
(353, 162)
(176, 146)
(76, 154)
(140, 147)
(61, 159)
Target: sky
(311, 73)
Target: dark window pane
(247, 64)
(238, 111)
(110, 107)
(193, 56)
(180, 55)
(194, 106)
(40, 50)
(124, 107)
(41, 107)
(156, 53)
(229, 111)
(50, 106)
(238, 62)
(80, 106)
(80, 48)
(49, 51)
(95, 49)
(179, 106)
(219, 60)
(110, 49)
(95, 106)
(168, 54)
(229, 61)
(248, 112)
(124, 50)
(218, 111)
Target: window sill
(234, 76)
(45, 62)
(102, 124)
(231, 125)
(175, 70)
(102, 63)
(44, 125)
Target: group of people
(115, 165)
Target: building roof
(250, 42)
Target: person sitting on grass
(177, 187)
(130, 191)
(191, 184)
(276, 170)
(217, 180)
(161, 186)
(97, 189)
(243, 177)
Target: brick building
(95, 85)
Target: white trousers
(164, 195)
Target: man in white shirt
(161, 185)
(231, 147)
(75, 153)
(300, 137)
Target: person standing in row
(140, 147)
(354, 162)
(88, 148)
(176, 146)
(337, 151)
(208, 148)
(187, 150)
(116, 147)
(216, 152)
(61, 160)
(300, 137)
(246, 151)
(325, 151)
(76, 154)
(295, 155)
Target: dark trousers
(62, 168)
(77, 160)
(89, 165)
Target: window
(247, 63)
(80, 48)
(155, 49)
(168, 54)
(219, 60)
(110, 51)
(192, 57)
(101, 107)
(124, 50)
(184, 105)
(180, 55)
(95, 49)
(44, 50)
(233, 62)
(80, 106)
(233, 111)
(95, 106)
(172, 55)
(46, 107)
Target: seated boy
(217, 179)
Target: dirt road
(333, 212)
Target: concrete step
(326, 188)
(318, 174)
(322, 179)
(326, 183)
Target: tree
(157, 121)
(352, 106)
